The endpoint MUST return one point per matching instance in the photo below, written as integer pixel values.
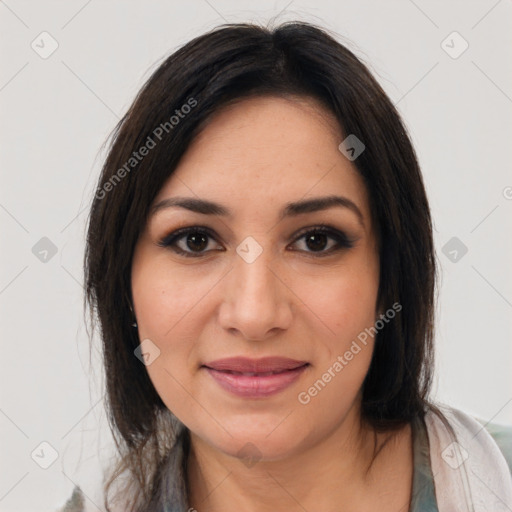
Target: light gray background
(56, 113)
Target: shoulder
(76, 503)
(502, 435)
(471, 426)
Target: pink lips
(255, 378)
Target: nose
(257, 303)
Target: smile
(261, 378)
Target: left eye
(316, 239)
(192, 242)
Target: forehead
(267, 151)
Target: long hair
(225, 65)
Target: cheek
(166, 304)
(351, 306)
(342, 297)
(170, 305)
(347, 307)
(168, 300)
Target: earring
(131, 309)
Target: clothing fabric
(469, 469)
(470, 472)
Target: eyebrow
(293, 209)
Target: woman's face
(252, 279)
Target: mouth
(255, 378)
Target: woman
(249, 366)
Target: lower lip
(248, 386)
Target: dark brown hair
(228, 64)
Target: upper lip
(263, 365)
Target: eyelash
(342, 241)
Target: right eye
(190, 242)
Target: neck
(339, 473)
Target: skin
(254, 157)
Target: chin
(250, 449)
(264, 438)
